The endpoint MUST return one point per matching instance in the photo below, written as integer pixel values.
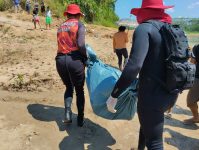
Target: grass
(5, 4)
(106, 23)
(19, 81)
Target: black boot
(68, 112)
(80, 109)
(80, 120)
(68, 115)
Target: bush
(5, 4)
(57, 7)
(8, 4)
(96, 11)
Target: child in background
(36, 6)
(48, 18)
(36, 19)
(28, 6)
(43, 8)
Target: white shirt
(48, 14)
(28, 2)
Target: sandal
(190, 121)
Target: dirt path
(31, 105)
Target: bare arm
(193, 61)
(113, 44)
(135, 62)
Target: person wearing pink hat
(70, 61)
(147, 58)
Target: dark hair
(196, 47)
(35, 12)
(72, 15)
(122, 28)
(196, 50)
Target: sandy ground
(31, 96)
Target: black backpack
(180, 73)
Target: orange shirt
(119, 40)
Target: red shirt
(67, 36)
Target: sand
(31, 96)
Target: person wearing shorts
(48, 18)
(119, 46)
(36, 19)
(193, 95)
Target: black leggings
(120, 53)
(72, 73)
(151, 129)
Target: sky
(182, 8)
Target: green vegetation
(190, 25)
(96, 11)
(19, 81)
(5, 4)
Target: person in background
(43, 7)
(48, 18)
(119, 46)
(36, 19)
(147, 57)
(16, 5)
(36, 6)
(28, 6)
(70, 61)
(193, 95)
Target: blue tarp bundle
(100, 79)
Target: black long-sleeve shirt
(147, 58)
(137, 56)
(81, 39)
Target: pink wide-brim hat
(154, 4)
(73, 9)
